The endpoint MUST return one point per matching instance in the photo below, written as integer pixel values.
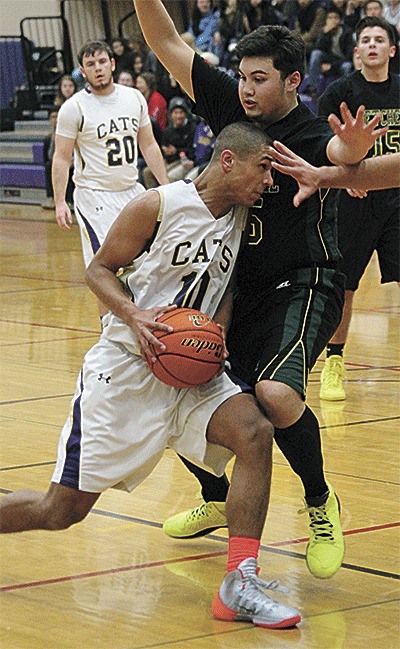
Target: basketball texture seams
(194, 349)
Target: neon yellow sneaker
(196, 522)
(332, 379)
(325, 549)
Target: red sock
(240, 548)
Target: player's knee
(280, 402)
(59, 515)
(254, 437)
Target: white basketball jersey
(190, 260)
(105, 128)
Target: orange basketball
(194, 349)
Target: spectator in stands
(353, 13)
(48, 152)
(123, 55)
(203, 144)
(126, 78)
(66, 88)
(259, 12)
(391, 13)
(309, 20)
(204, 25)
(333, 51)
(177, 144)
(231, 28)
(156, 103)
(138, 63)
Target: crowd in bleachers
(327, 27)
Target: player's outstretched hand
(63, 215)
(291, 164)
(144, 323)
(353, 131)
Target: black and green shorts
(278, 333)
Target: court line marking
(273, 548)
(49, 340)
(46, 326)
(70, 282)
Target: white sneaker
(241, 598)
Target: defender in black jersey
(372, 223)
(289, 292)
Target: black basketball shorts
(279, 333)
(366, 225)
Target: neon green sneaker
(332, 379)
(325, 549)
(196, 522)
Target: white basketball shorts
(96, 211)
(122, 418)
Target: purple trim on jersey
(70, 474)
(187, 181)
(95, 243)
(245, 388)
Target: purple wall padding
(22, 175)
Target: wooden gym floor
(116, 580)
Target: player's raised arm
(162, 37)
(374, 173)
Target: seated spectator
(156, 103)
(48, 152)
(309, 20)
(203, 144)
(66, 88)
(138, 64)
(126, 78)
(177, 144)
(333, 51)
(353, 13)
(123, 55)
(231, 28)
(391, 13)
(259, 12)
(204, 25)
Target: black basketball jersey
(281, 237)
(383, 98)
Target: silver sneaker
(241, 598)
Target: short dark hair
(150, 79)
(377, 2)
(332, 9)
(285, 48)
(243, 138)
(372, 21)
(91, 47)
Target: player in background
(372, 223)
(122, 418)
(289, 292)
(104, 124)
(382, 172)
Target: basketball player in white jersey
(184, 239)
(104, 124)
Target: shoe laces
(199, 512)
(253, 597)
(320, 524)
(334, 374)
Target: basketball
(194, 349)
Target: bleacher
(32, 63)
